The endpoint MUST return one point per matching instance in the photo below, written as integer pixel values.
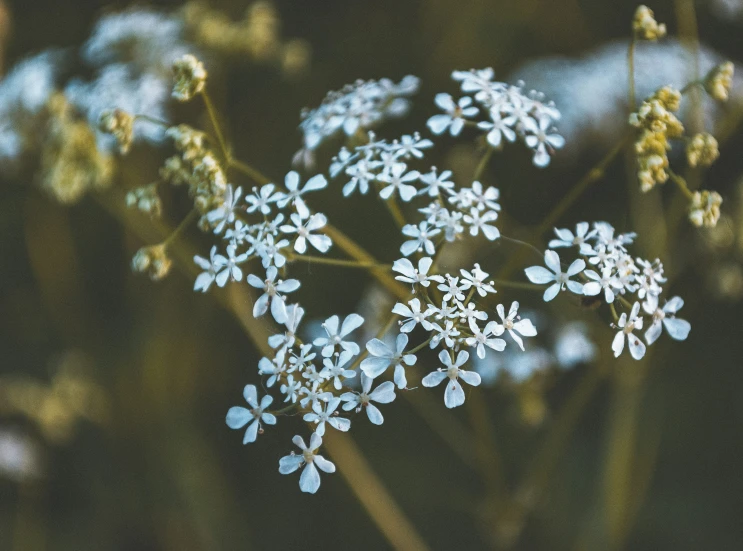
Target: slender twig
(336, 262)
(190, 218)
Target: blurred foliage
(124, 383)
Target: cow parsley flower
(678, 329)
(488, 337)
(228, 266)
(413, 315)
(262, 198)
(291, 389)
(566, 238)
(626, 326)
(271, 289)
(539, 275)
(205, 279)
(478, 221)
(409, 146)
(476, 278)
(454, 114)
(225, 213)
(447, 333)
(335, 335)
(382, 357)
(321, 242)
(383, 394)
(294, 314)
(238, 417)
(543, 142)
(336, 371)
(409, 274)
(309, 481)
(522, 327)
(607, 282)
(398, 180)
(294, 193)
(454, 394)
(275, 368)
(421, 238)
(498, 128)
(320, 416)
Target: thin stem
(632, 101)
(483, 163)
(517, 285)
(681, 184)
(539, 253)
(190, 218)
(215, 124)
(153, 120)
(395, 211)
(421, 346)
(614, 312)
(336, 262)
(257, 176)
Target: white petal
(339, 423)
(310, 480)
(399, 377)
(551, 292)
(374, 367)
(538, 274)
(617, 344)
(378, 348)
(324, 465)
(252, 433)
(552, 261)
(352, 322)
(653, 332)
(576, 267)
(375, 416)
(439, 123)
(470, 377)
(575, 287)
(592, 288)
(636, 346)
(433, 379)
(278, 309)
(238, 417)
(525, 327)
(454, 394)
(290, 463)
(384, 393)
(677, 328)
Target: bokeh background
(116, 438)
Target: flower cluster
(358, 106)
(510, 114)
(618, 278)
(644, 25)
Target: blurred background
(114, 388)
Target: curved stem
(336, 262)
(190, 218)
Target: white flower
(413, 315)
(481, 339)
(567, 239)
(313, 395)
(478, 221)
(225, 214)
(446, 333)
(498, 128)
(229, 266)
(626, 325)
(606, 281)
(412, 275)
(271, 289)
(300, 360)
(270, 251)
(238, 417)
(454, 394)
(484, 199)
(678, 329)
(543, 143)
(538, 274)
(321, 242)
(335, 370)
(453, 119)
(383, 394)
(452, 289)
(320, 416)
(382, 356)
(294, 195)
(410, 146)
(335, 337)
(523, 327)
(398, 180)
(361, 174)
(210, 267)
(310, 480)
(275, 368)
(261, 199)
(291, 388)
(436, 182)
(294, 314)
(476, 279)
(421, 234)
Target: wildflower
(702, 150)
(626, 326)
(313, 395)
(478, 221)
(229, 266)
(454, 116)
(238, 417)
(335, 369)
(303, 358)
(498, 128)
(361, 174)
(435, 182)
(421, 241)
(720, 81)
(383, 394)
(309, 481)
(320, 416)
(321, 242)
(484, 199)
(410, 146)
(487, 337)
(261, 199)
(291, 389)
(271, 289)
(523, 327)
(155, 260)
(607, 282)
(704, 209)
(382, 357)
(454, 394)
(294, 314)
(146, 200)
(294, 195)
(678, 329)
(413, 315)
(275, 368)
(210, 267)
(120, 125)
(567, 239)
(538, 274)
(190, 77)
(270, 251)
(445, 333)
(409, 274)
(398, 180)
(544, 143)
(644, 25)
(226, 212)
(335, 336)
(476, 278)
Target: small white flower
(398, 180)
(336, 371)
(454, 116)
(291, 389)
(476, 278)
(313, 395)
(320, 416)
(225, 214)
(383, 394)
(300, 359)
(538, 274)
(446, 333)
(294, 314)
(678, 329)
(523, 327)
(294, 195)
(421, 234)
(498, 128)
(409, 274)
(361, 173)
(567, 239)
(452, 289)
(607, 282)
(210, 267)
(229, 266)
(454, 394)
(413, 315)
(310, 480)
(626, 327)
(484, 199)
(321, 242)
(238, 417)
(271, 289)
(435, 182)
(335, 336)
(275, 368)
(481, 221)
(270, 251)
(544, 143)
(410, 146)
(382, 357)
(261, 199)
(481, 339)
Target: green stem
(421, 346)
(632, 101)
(483, 163)
(190, 218)
(215, 124)
(336, 262)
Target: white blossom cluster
(358, 106)
(617, 277)
(509, 114)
